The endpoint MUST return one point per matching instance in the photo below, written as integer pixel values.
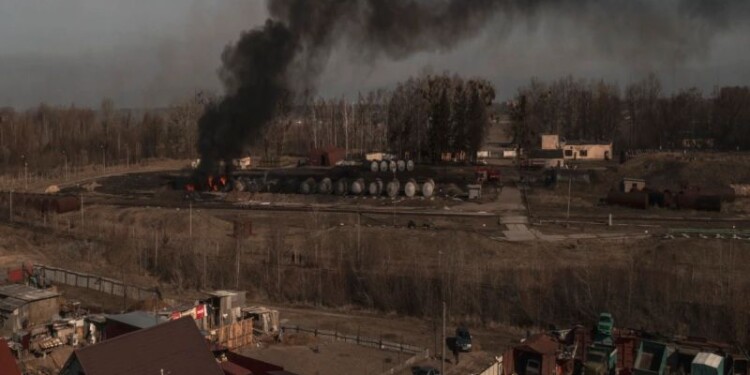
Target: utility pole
(83, 220)
(237, 286)
(442, 356)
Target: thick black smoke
(264, 69)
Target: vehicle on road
(463, 339)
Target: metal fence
(359, 340)
(94, 282)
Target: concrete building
(546, 158)
(584, 150)
(23, 306)
(226, 306)
(576, 149)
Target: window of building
(584, 153)
(568, 152)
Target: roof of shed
(138, 319)
(27, 293)
(176, 347)
(541, 343)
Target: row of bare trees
(642, 116)
(45, 139)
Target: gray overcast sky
(147, 53)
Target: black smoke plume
(267, 66)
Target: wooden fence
(359, 340)
(236, 335)
(495, 369)
(94, 282)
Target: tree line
(642, 116)
(45, 139)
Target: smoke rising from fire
(264, 70)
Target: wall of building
(550, 141)
(588, 152)
(42, 311)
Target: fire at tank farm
(332, 172)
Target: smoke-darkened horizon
(269, 65)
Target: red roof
(230, 368)
(176, 347)
(8, 365)
(540, 343)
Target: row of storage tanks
(345, 186)
(684, 200)
(391, 166)
(44, 203)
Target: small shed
(326, 157)
(632, 184)
(651, 358)
(22, 306)
(226, 306)
(267, 319)
(537, 356)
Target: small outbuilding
(326, 157)
(120, 324)
(22, 306)
(632, 184)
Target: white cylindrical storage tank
(384, 166)
(393, 166)
(410, 165)
(358, 186)
(376, 187)
(393, 188)
(308, 187)
(374, 166)
(238, 185)
(401, 165)
(325, 186)
(410, 189)
(428, 188)
(342, 187)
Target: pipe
(410, 165)
(393, 166)
(374, 167)
(384, 166)
(401, 165)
